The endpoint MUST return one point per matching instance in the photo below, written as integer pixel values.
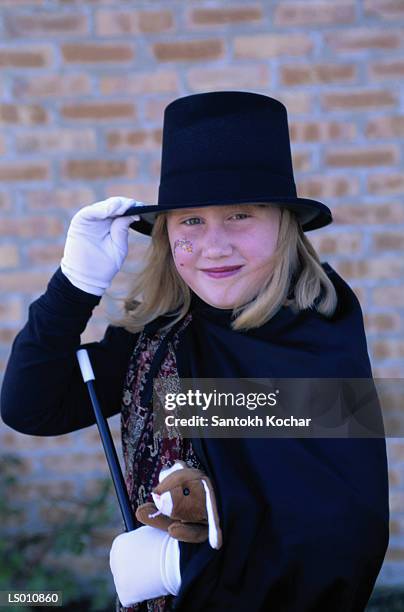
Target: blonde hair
(158, 289)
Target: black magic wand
(108, 444)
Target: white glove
(97, 244)
(145, 563)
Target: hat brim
(310, 213)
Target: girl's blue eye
(198, 218)
(191, 219)
(241, 214)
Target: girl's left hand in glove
(145, 563)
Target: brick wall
(83, 87)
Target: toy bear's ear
(215, 533)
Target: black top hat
(227, 147)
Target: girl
(230, 288)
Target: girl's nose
(216, 244)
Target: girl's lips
(221, 273)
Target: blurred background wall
(83, 88)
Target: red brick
(113, 23)
(394, 527)
(38, 226)
(7, 335)
(317, 74)
(89, 2)
(363, 39)
(302, 160)
(391, 69)
(297, 102)
(11, 439)
(291, 14)
(262, 46)
(124, 139)
(361, 294)
(373, 268)
(91, 436)
(96, 53)
(89, 565)
(92, 488)
(45, 254)
(327, 186)
(49, 85)
(57, 514)
(224, 77)
(394, 554)
(388, 241)
(143, 191)
(47, 491)
(385, 9)
(369, 213)
(5, 202)
(376, 155)
(23, 114)
(156, 81)
(337, 243)
(75, 462)
(385, 183)
(55, 140)
(24, 281)
(399, 520)
(382, 371)
(363, 99)
(90, 169)
(219, 16)
(2, 145)
(45, 24)
(385, 127)
(10, 309)
(103, 538)
(154, 108)
(154, 168)
(396, 451)
(382, 321)
(391, 395)
(321, 131)
(388, 349)
(9, 256)
(55, 199)
(188, 50)
(24, 171)
(389, 296)
(13, 3)
(96, 111)
(26, 57)
(394, 478)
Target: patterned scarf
(145, 453)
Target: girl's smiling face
(241, 237)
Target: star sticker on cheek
(185, 245)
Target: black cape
(305, 521)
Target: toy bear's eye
(186, 491)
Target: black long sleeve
(43, 392)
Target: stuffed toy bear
(184, 505)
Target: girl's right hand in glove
(145, 563)
(97, 244)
